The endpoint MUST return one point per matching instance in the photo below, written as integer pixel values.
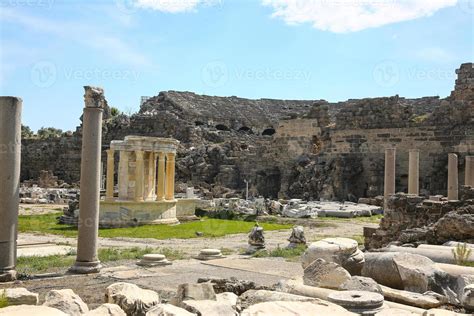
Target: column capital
(170, 155)
(110, 152)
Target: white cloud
(174, 6)
(343, 16)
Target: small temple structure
(146, 177)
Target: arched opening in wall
(268, 132)
(245, 129)
(222, 127)
(268, 182)
(199, 123)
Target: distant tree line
(51, 132)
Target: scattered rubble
(131, 299)
(39, 195)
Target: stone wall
(309, 149)
(414, 220)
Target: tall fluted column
(87, 260)
(139, 175)
(151, 175)
(123, 175)
(109, 194)
(10, 154)
(453, 177)
(389, 181)
(160, 184)
(170, 161)
(413, 172)
(469, 171)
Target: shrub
(461, 253)
(3, 299)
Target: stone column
(109, 193)
(452, 177)
(10, 154)
(151, 175)
(170, 161)
(469, 172)
(389, 181)
(139, 175)
(160, 184)
(87, 260)
(413, 172)
(123, 175)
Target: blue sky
(290, 49)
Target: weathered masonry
(309, 149)
(146, 177)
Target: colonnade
(414, 174)
(153, 177)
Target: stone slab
(269, 267)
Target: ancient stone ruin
(304, 160)
(287, 149)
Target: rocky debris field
(38, 195)
(337, 279)
(293, 208)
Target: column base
(8, 276)
(85, 267)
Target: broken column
(413, 172)
(469, 172)
(453, 177)
(87, 260)
(389, 181)
(10, 154)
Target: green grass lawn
(209, 227)
(33, 265)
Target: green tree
(26, 131)
(48, 132)
(114, 111)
